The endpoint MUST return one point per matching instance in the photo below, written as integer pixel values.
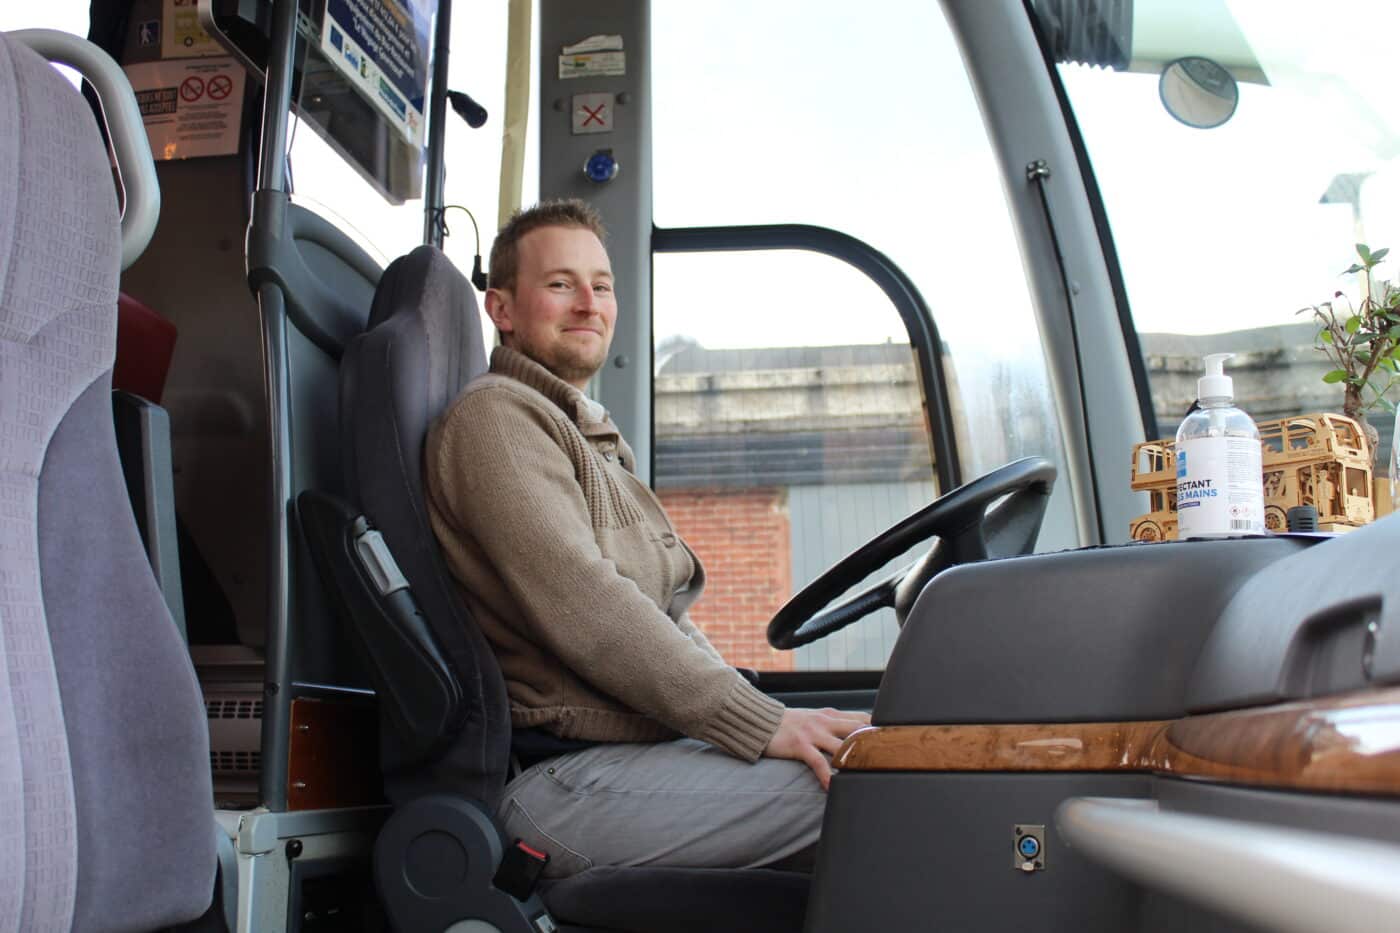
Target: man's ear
(498, 309)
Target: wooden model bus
(1320, 459)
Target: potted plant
(1363, 341)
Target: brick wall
(742, 536)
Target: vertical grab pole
(277, 97)
(266, 233)
(437, 129)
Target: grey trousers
(679, 804)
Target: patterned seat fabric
(105, 796)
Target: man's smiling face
(561, 310)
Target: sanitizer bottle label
(1219, 487)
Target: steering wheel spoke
(879, 595)
(967, 531)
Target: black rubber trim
(898, 287)
(1136, 363)
(810, 681)
(1038, 180)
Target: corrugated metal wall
(827, 523)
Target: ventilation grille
(242, 762)
(234, 709)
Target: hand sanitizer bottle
(1219, 463)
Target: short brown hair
(505, 252)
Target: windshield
(1223, 235)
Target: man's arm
(502, 477)
(695, 634)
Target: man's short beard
(570, 369)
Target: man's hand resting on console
(811, 735)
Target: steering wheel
(966, 530)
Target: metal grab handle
(1278, 878)
(136, 169)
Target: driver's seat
(444, 714)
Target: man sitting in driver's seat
(641, 746)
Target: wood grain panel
(1091, 746)
(333, 758)
(1349, 743)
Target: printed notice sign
(191, 107)
(383, 46)
(184, 37)
(593, 57)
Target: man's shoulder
(491, 391)
(494, 397)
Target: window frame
(924, 340)
(880, 269)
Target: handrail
(1276, 878)
(136, 170)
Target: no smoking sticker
(592, 113)
(191, 106)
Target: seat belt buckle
(521, 868)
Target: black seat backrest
(423, 345)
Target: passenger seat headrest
(58, 217)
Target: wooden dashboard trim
(1081, 746)
(1348, 743)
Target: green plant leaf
(1352, 269)
(1379, 254)
(1336, 375)
(1394, 332)
(1353, 324)
(1325, 335)
(1364, 252)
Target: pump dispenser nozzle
(1215, 384)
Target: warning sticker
(591, 64)
(191, 107)
(184, 37)
(192, 89)
(157, 101)
(596, 55)
(592, 113)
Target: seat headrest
(425, 290)
(60, 241)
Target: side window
(776, 456)
(790, 425)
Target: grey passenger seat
(106, 820)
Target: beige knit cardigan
(574, 572)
